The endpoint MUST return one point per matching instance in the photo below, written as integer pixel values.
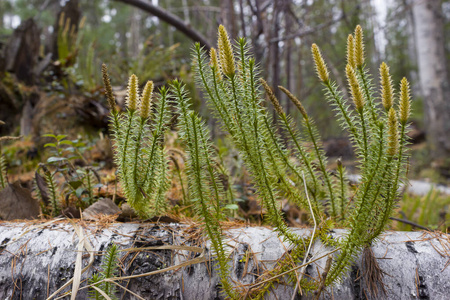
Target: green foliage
(277, 159)
(68, 41)
(431, 210)
(373, 129)
(109, 269)
(2, 171)
(237, 103)
(140, 154)
(374, 132)
(52, 190)
(80, 182)
(153, 60)
(86, 73)
(3, 179)
(205, 188)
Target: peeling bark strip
(36, 260)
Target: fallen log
(36, 259)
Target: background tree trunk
(135, 33)
(36, 259)
(22, 51)
(434, 80)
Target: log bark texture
(36, 259)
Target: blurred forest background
(51, 54)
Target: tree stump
(22, 51)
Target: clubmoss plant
(51, 190)
(232, 86)
(293, 168)
(205, 187)
(379, 144)
(140, 154)
(109, 267)
(3, 179)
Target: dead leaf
(103, 206)
(127, 213)
(16, 202)
(71, 212)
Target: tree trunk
(37, 259)
(434, 80)
(135, 33)
(228, 18)
(22, 51)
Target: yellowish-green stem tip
(387, 90)
(146, 100)
(355, 88)
(108, 89)
(294, 100)
(272, 98)
(351, 51)
(393, 142)
(405, 101)
(132, 93)
(359, 46)
(226, 56)
(214, 63)
(321, 67)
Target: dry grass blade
(297, 286)
(197, 260)
(252, 285)
(78, 265)
(165, 247)
(89, 248)
(101, 292)
(129, 291)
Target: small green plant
(3, 179)
(47, 187)
(79, 181)
(109, 269)
(138, 137)
(68, 41)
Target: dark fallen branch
(170, 19)
(410, 223)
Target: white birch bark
(434, 80)
(36, 259)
